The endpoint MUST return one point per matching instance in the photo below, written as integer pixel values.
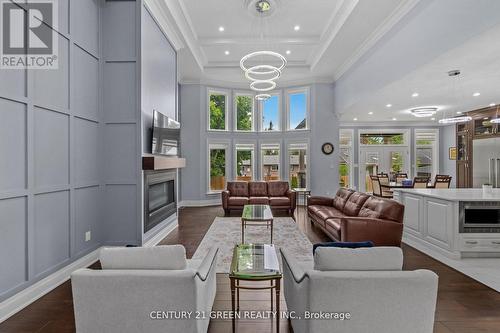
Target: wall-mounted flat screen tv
(166, 135)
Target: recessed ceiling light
(415, 94)
(476, 94)
(370, 113)
(492, 104)
(459, 112)
(226, 52)
(389, 105)
(433, 118)
(394, 119)
(221, 28)
(355, 119)
(296, 28)
(288, 51)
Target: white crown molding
(339, 17)
(156, 9)
(404, 8)
(307, 40)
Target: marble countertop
(454, 194)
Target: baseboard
(153, 241)
(22, 299)
(199, 203)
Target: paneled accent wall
(50, 180)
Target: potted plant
(487, 188)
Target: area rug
(225, 233)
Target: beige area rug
(225, 233)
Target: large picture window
(217, 111)
(217, 156)
(297, 165)
(270, 161)
(244, 106)
(244, 162)
(297, 109)
(270, 118)
(426, 152)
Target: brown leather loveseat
(354, 217)
(277, 194)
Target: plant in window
(218, 112)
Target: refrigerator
(486, 162)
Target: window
(217, 167)
(345, 158)
(297, 165)
(270, 161)
(387, 138)
(271, 114)
(217, 109)
(244, 106)
(426, 152)
(297, 109)
(244, 162)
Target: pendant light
(459, 119)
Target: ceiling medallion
(423, 112)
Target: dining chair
(383, 178)
(380, 190)
(442, 182)
(400, 177)
(420, 182)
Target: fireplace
(159, 197)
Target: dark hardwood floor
(464, 305)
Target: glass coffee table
(256, 215)
(255, 262)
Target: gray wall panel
(85, 24)
(13, 83)
(51, 245)
(13, 243)
(86, 90)
(121, 157)
(12, 145)
(118, 29)
(120, 215)
(86, 152)
(52, 86)
(119, 86)
(87, 218)
(51, 148)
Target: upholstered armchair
(138, 285)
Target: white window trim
(270, 145)
(351, 154)
(405, 132)
(289, 144)
(280, 116)
(217, 145)
(244, 146)
(235, 111)
(289, 92)
(211, 91)
(435, 158)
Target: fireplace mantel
(157, 162)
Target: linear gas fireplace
(159, 197)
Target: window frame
(235, 111)
(270, 145)
(405, 132)
(294, 91)
(261, 114)
(250, 146)
(435, 155)
(289, 146)
(350, 147)
(212, 91)
(217, 145)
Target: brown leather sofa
(354, 217)
(277, 194)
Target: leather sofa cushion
(333, 231)
(316, 208)
(333, 223)
(258, 201)
(328, 212)
(238, 189)
(257, 189)
(354, 203)
(279, 201)
(237, 201)
(150, 258)
(277, 188)
(363, 259)
(341, 198)
(384, 209)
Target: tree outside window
(217, 169)
(244, 111)
(217, 112)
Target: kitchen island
(458, 223)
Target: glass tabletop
(257, 212)
(255, 261)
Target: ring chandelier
(423, 112)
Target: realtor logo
(28, 38)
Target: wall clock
(327, 148)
